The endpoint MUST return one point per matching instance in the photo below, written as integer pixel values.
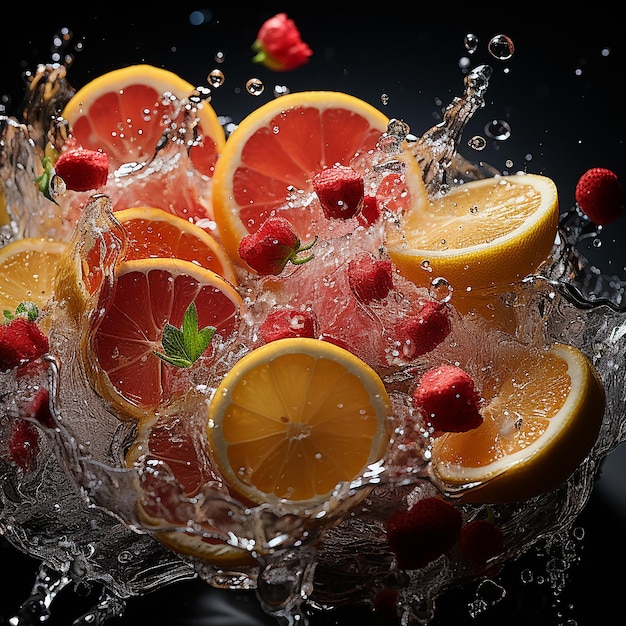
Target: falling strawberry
(600, 196)
(448, 400)
(424, 532)
(285, 322)
(279, 46)
(83, 169)
(340, 191)
(272, 246)
(481, 540)
(21, 341)
(370, 278)
(424, 331)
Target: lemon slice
(294, 418)
(539, 425)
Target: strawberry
(21, 341)
(285, 322)
(479, 541)
(83, 169)
(424, 532)
(370, 278)
(424, 331)
(24, 444)
(600, 196)
(370, 211)
(447, 398)
(340, 191)
(272, 246)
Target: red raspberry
(83, 169)
(284, 322)
(479, 541)
(424, 532)
(21, 341)
(370, 211)
(272, 246)
(448, 400)
(370, 278)
(600, 196)
(421, 333)
(340, 191)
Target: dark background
(563, 95)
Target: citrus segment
(540, 421)
(27, 271)
(269, 162)
(484, 233)
(148, 294)
(296, 417)
(153, 232)
(121, 112)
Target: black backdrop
(562, 94)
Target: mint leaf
(184, 346)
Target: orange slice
(148, 294)
(269, 162)
(121, 112)
(540, 421)
(27, 271)
(484, 233)
(152, 232)
(294, 418)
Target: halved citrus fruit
(169, 442)
(294, 418)
(148, 295)
(269, 162)
(152, 232)
(541, 419)
(484, 233)
(121, 112)
(27, 271)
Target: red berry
(424, 532)
(423, 332)
(21, 341)
(370, 278)
(340, 191)
(279, 45)
(83, 169)
(285, 322)
(24, 444)
(479, 541)
(39, 409)
(370, 211)
(448, 400)
(272, 246)
(600, 196)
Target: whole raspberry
(424, 331)
(448, 399)
(340, 191)
(600, 196)
(424, 532)
(370, 278)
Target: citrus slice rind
(119, 112)
(295, 418)
(484, 233)
(530, 442)
(269, 162)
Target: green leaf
(185, 345)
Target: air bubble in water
(471, 42)
(477, 143)
(498, 129)
(501, 47)
(440, 289)
(255, 87)
(216, 78)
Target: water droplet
(425, 265)
(440, 289)
(498, 129)
(281, 90)
(477, 143)
(471, 42)
(255, 87)
(501, 47)
(384, 98)
(216, 78)
(219, 57)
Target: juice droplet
(216, 78)
(501, 47)
(471, 42)
(255, 87)
(477, 142)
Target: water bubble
(501, 47)
(471, 42)
(425, 265)
(201, 16)
(440, 289)
(281, 90)
(498, 129)
(464, 63)
(216, 78)
(255, 87)
(477, 143)
(384, 98)
(219, 57)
